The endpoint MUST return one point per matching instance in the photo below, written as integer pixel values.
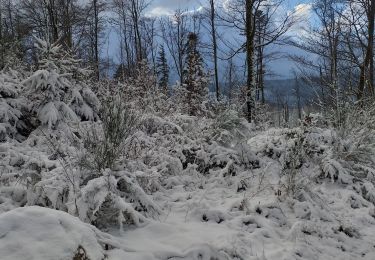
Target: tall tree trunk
(249, 58)
(230, 81)
(129, 56)
(67, 20)
(367, 72)
(1, 39)
(261, 79)
(137, 35)
(298, 97)
(371, 19)
(51, 8)
(214, 46)
(11, 22)
(96, 38)
(180, 48)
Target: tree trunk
(214, 46)
(368, 64)
(371, 18)
(1, 39)
(249, 58)
(96, 38)
(53, 20)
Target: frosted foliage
(55, 95)
(53, 57)
(140, 180)
(141, 92)
(11, 104)
(188, 187)
(40, 233)
(196, 79)
(85, 103)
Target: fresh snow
(34, 233)
(210, 217)
(123, 172)
(207, 224)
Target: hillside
(195, 189)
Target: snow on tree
(196, 79)
(53, 90)
(11, 105)
(84, 102)
(141, 92)
(163, 70)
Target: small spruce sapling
(162, 69)
(53, 89)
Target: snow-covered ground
(122, 169)
(237, 212)
(208, 223)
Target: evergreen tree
(196, 79)
(11, 105)
(54, 90)
(162, 69)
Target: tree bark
(96, 38)
(214, 46)
(367, 69)
(249, 58)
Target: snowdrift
(42, 233)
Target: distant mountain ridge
(281, 89)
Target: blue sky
(173, 4)
(281, 67)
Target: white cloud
(159, 11)
(302, 16)
(166, 7)
(303, 11)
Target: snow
(280, 231)
(38, 233)
(183, 234)
(119, 173)
(245, 206)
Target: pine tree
(196, 79)
(11, 105)
(162, 69)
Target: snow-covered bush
(105, 142)
(228, 126)
(84, 102)
(11, 105)
(115, 200)
(53, 91)
(142, 92)
(292, 161)
(41, 233)
(351, 155)
(111, 196)
(263, 116)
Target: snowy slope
(41, 233)
(281, 194)
(207, 223)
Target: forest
(187, 129)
